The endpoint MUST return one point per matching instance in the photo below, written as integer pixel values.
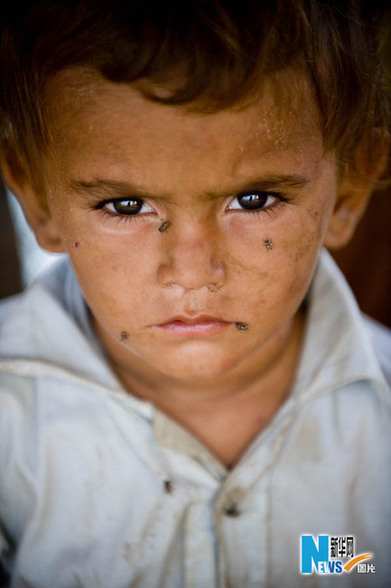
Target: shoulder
(18, 440)
(46, 322)
(380, 336)
(6, 306)
(340, 345)
(52, 282)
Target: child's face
(248, 195)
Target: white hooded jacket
(101, 490)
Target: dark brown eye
(253, 201)
(128, 206)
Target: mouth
(199, 326)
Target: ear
(32, 199)
(355, 187)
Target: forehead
(95, 123)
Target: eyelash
(264, 194)
(122, 218)
(117, 216)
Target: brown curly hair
(221, 48)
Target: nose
(191, 256)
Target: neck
(225, 413)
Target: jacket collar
(46, 331)
(337, 348)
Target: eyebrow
(277, 181)
(268, 182)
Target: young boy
(196, 390)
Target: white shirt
(101, 490)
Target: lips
(202, 325)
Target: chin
(197, 367)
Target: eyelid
(103, 205)
(268, 193)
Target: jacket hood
(47, 330)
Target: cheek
(300, 248)
(112, 269)
(276, 247)
(304, 241)
(100, 248)
(273, 262)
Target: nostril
(192, 264)
(191, 275)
